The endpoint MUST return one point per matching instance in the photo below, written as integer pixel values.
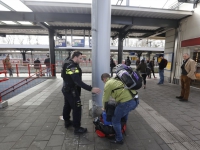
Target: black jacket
(162, 64)
(47, 62)
(72, 76)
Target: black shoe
(117, 142)
(179, 97)
(68, 123)
(183, 100)
(80, 130)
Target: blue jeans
(161, 74)
(48, 71)
(121, 111)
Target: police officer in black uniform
(72, 77)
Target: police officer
(72, 76)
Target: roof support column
(52, 51)
(120, 47)
(101, 22)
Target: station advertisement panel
(60, 43)
(169, 58)
(78, 43)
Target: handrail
(13, 86)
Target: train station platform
(160, 122)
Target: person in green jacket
(125, 102)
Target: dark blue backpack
(131, 79)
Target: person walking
(142, 67)
(151, 65)
(137, 62)
(128, 61)
(162, 65)
(8, 65)
(72, 84)
(126, 102)
(48, 66)
(188, 69)
(148, 69)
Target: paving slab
(160, 122)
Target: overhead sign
(60, 43)
(78, 43)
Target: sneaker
(117, 142)
(80, 130)
(68, 123)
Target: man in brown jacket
(8, 65)
(188, 72)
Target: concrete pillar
(120, 48)
(101, 22)
(52, 50)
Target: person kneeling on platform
(126, 100)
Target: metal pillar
(120, 48)
(71, 36)
(174, 60)
(66, 36)
(84, 36)
(101, 22)
(127, 3)
(52, 51)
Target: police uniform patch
(73, 69)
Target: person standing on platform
(151, 65)
(137, 62)
(8, 65)
(112, 65)
(142, 67)
(72, 84)
(162, 65)
(37, 66)
(188, 69)
(48, 66)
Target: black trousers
(152, 70)
(72, 103)
(111, 71)
(144, 76)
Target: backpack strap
(133, 95)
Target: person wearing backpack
(127, 100)
(142, 67)
(162, 65)
(128, 61)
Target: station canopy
(67, 18)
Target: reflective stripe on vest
(70, 72)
